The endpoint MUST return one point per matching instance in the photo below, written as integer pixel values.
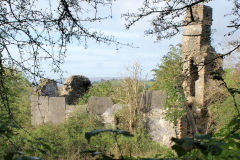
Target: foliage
(19, 91)
(231, 77)
(20, 156)
(130, 92)
(88, 135)
(224, 142)
(32, 34)
(115, 133)
(102, 89)
(122, 147)
(223, 111)
(16, 113)
(65, 141)
(68, 141)
(169, 78)
(223, 145)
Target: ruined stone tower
(200, 62)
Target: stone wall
(74, 87)
(50, 110)
(47, 109)
(200, 63)
(55, 110)
(47, 87)
(98, 105)
(160, 129)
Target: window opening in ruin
(188, 131)
(193, 76)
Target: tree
(130, 92)
(18, 114)
(31, 34)
(168, 78)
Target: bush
(117, 144)
(65, 141)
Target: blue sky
(105, 61)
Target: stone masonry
(53, 110)
(47, 87)
(46, 109)
(153, 103)
(74, 87)
(200, 63)
(98, 105)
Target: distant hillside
(99, 79)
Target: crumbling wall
(98, 105)
(74, 87)
(47, 110)
(153, 110)
(160, 129)
(47, 87)
(200, 63)
(53, 110)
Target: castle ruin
(201, 62)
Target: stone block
(191, 44)
(146, 101)
(39, 109)
(98, 105)
(193, 30)
(56, 110)
(153, 99)
(74, 87)
(202, 15)
(47, 87)
(158, 99)
(160, 129)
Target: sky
(105, 61)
